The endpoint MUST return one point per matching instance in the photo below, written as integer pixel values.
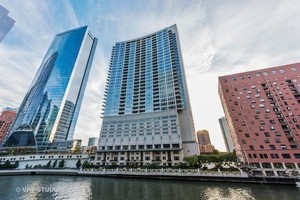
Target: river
(78, 187)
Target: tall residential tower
(51, 106)
(147, 115)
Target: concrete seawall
(162, 175)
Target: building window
(290, 165)
(274, 155)
(283, 146)
(286, 155)
(267, 134)
(261, 105)
(267, 140)
(278, 165)
(266, 165)
(281, 71)
(272, 147)
(294, 69)
(297, 155)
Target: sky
(217, 38)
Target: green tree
(61, 163)
(78, 164)
(6, 164)
(218, 159)
(54, 164)
(16, 165)
(77, 150)
(85, 164)
(216, 152)
(192, 161)
(48, 164)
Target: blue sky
(217, 38)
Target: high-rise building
(6, 23)
(93, 141)
(147, 115)
(226, 134)
(203, 137)
(204, 142)
(51, 106)
(6, 118)
(262, 110)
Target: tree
(16, 165)
(54, 164)
(192, 161)
(61, 163)
(216, 152)
(77, 150)
(85, 164)
(78, 164)
(6, 164)
(48, 164)
(218, 159)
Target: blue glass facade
(52, 103)
(6, 23)
(145, 76)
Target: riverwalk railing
(163, 172)
(173, 174)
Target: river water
(75, 187)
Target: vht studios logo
(38, 189)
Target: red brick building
(262, 108)
(6, 118)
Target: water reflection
(72, 187)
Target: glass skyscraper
(51, 106)
(147, 116)
(6, 23)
